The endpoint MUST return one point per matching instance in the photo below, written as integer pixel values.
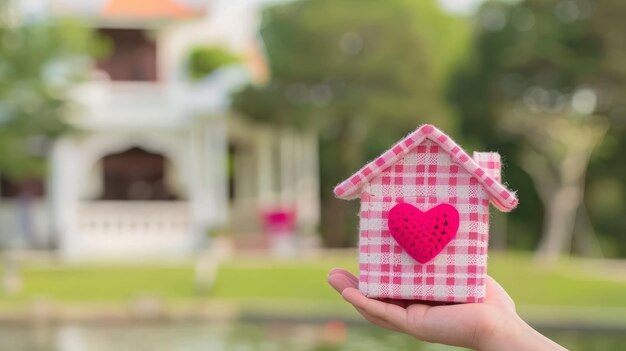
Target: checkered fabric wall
(425, 177)
(490, 162)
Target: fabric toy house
(424, 218)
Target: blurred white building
(162, 161)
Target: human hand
(490, 325)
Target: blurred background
(166, 166)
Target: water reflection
(266, 336)
(189, 336)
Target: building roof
(131, 9)
(147, 9)
(503, 198)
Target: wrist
(514, 334)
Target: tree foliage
(204, 60)
(40, 61)
(551, 59)
(360, 72)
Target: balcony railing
(108, 103)
(112, 227)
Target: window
(133, 56)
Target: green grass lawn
(569, 283)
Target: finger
(497, 295)
(393, 314)
(345, 273)
(379, 322)
(340, 282)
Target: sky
(461, 7)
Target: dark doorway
(135, 174)
(232, 153)
(133, 56)
(10, 188)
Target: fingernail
(332, 270)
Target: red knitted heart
(423, 234)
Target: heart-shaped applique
(423, 234)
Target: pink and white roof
(503, 198)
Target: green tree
(204, 60)
(40, 61)
(544, 72)
(360, 72)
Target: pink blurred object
(279, 226)
(279, 222)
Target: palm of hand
(469, 325)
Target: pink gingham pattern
(500, 196)
(490, 162)
(426, 172)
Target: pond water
(265, 336)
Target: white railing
(143, 218)
(134, 94)
(143, 227)
(108, 103)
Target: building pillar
(288, 167)
(208, 193)
(307, 187)
(265, 188)
(63, 189)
